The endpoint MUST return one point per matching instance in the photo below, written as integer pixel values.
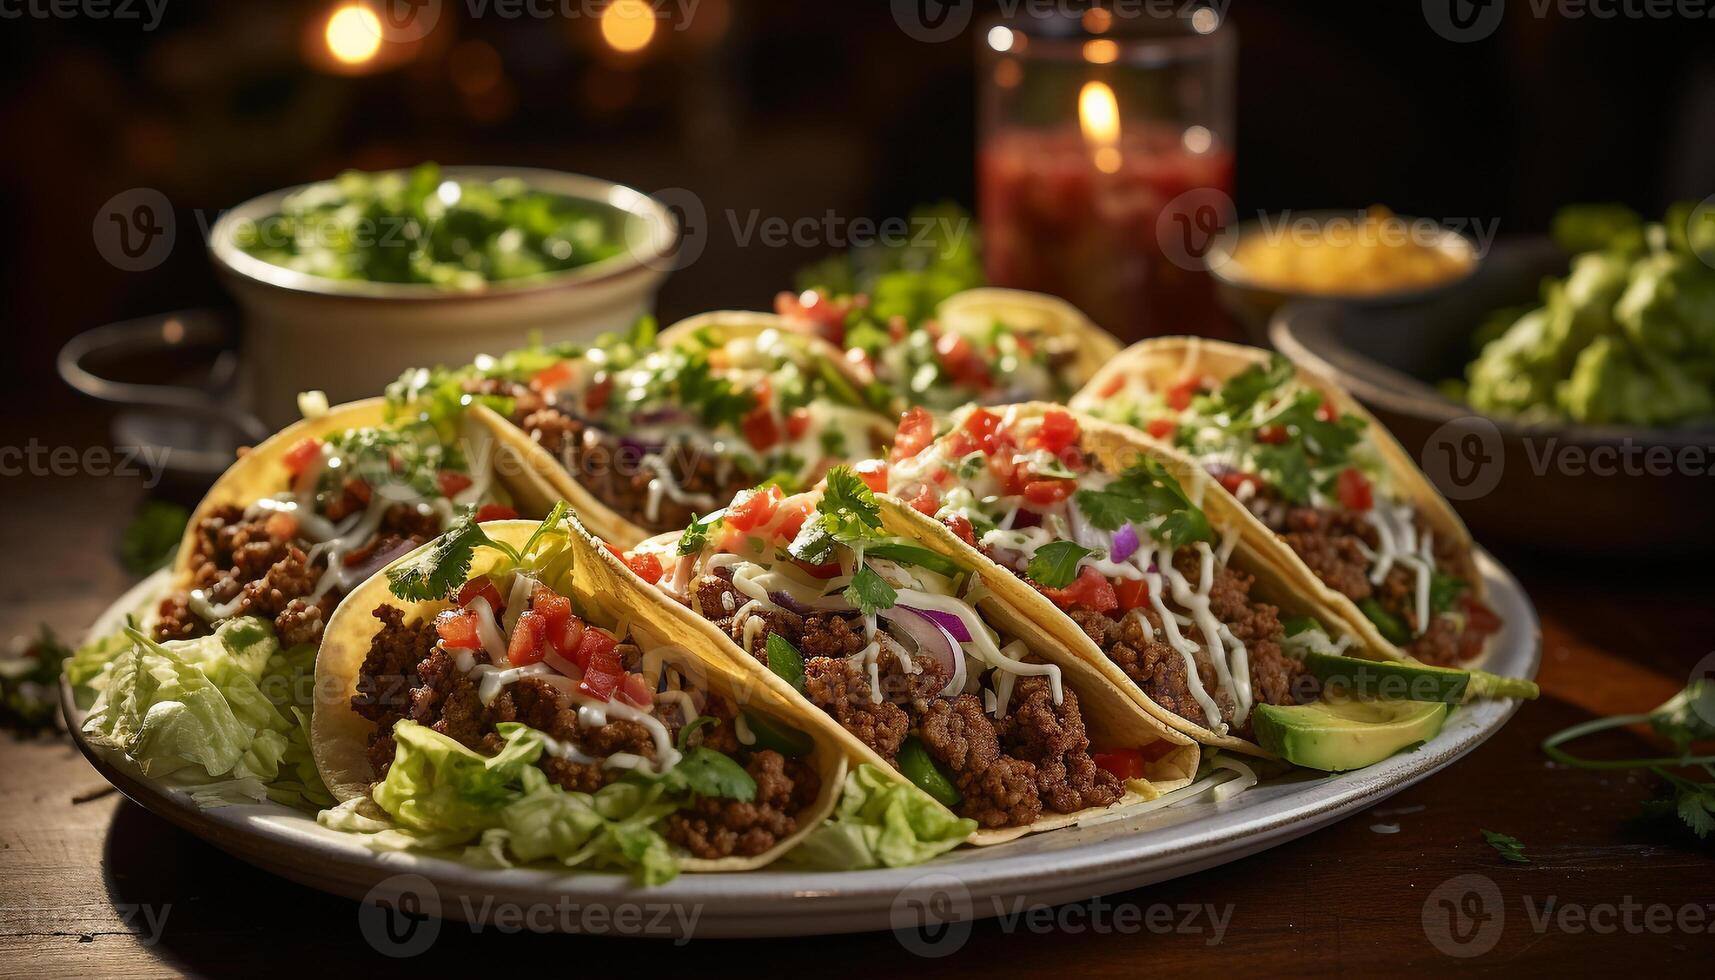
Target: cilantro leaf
(1140, 494)
(1510, 848)
(850, 503)
(1243, 389)
(1055, 564)
(869, 592)
(695, 537)
(785, 660)
(437, 572)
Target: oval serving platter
(1108, 854)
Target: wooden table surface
(91, 884)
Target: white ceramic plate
(1109, 854)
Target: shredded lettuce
(204, 711)
(439, 794)
(881, 822)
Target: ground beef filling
(1159, 670)
(1009, 770)
(234, 557)
(613, 470)
(1332, 544)
(406, 675)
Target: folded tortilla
(1158, 364)
(609, 596)
(1110, 716)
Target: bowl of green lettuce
(344, 283)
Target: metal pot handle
(151, 334)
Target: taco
(987, 345)
(650, 435)
(1359, 520)
(300, 520)
(1117, 549)
(911, 659)
(508, 687)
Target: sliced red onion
(954, 625)
(561, 664)
(375, 563)
(828, 603)
(1125, 543)
(931, 639)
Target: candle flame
(1099, 118)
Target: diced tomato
(452, 483)
(1353, 489)
(302, 453)
(1112, 386)
(1272, 435)
(1233, 481)
(1057, 431)
(360, 490)
(281, 526)
(570, 638)
(598, 395)
(959, 356)
(961, 526)
(1124, 763)
(554, 608)
(529, 639)
(1132, 593)
(873, 472)
(1046, 492)
(817, 308)
(760, 429)
(457, 630)
(646, 567)
(1090, 589)
(552, 376)
(635, 690)
(797, 423)
(1161, 428)
(484, 588)
(1326, 412)
(916, 432)
(600, 663)
(494, 512)
(752, 509)
(792, 517)
(926, 502)
(1180, 394)
(981, 425)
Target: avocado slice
(1398, 681)
(1335, 735)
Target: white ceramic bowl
(351, 338)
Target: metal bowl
(1560, 487)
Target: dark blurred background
(785, 107)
